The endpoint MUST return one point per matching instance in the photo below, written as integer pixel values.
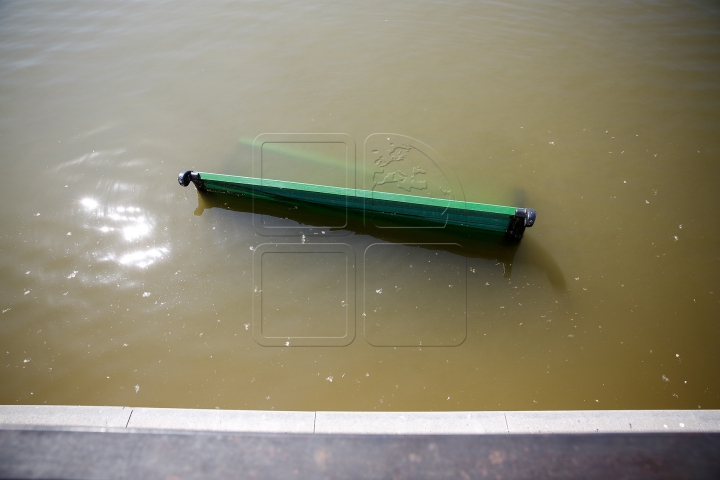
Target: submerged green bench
(511, 221)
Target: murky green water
(119, 287)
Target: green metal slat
(351, 192)
(498, 218)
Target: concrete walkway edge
(409, 423)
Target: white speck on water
(624, 181)
(682, 425)
(27, 273)
(552, 143)
(303, 238)
(646, 201)
(72, 275)
(267, 398)
(343, 303)
(379, 290)
(677, 355)
(571, 335)
(6, 310)
(65, 294)
(252, 249)
(146, 294)
(69, 233)
(247, 326)
(26, 292)
(449, 286)
(27, 360)
(680, 226)
(577, 278)
(676, 238)
(367, 374)
(287, 344)
(137, 388)
(201, 334)
(665, 379)
(37, 214)
(487, 283)
(597, 400)
(125, 344)
(329, 379)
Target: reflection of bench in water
(467, 242)
(510, 221)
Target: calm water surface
(119, 287)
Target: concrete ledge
(255, 421)
(64, 416)
(397, 423)
(607, 421)
(411, 423)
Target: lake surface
(119, 287)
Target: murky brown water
(119, 287)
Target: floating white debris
(646, 201)
(665, 379)
(675, 237)
(137, 388)
(677, 355)
(37, 214)
(247, 326)
(252, 249)
(69, 233)
(329, 379)
(26, 292)
(125, 344)
(680, 226)
(6, 310)
(287, 344)
(27, 360)
(146, 294)
(72, 275)
(552, 143)
(577, 278)
(367, 374)
(379, 290)
(27, 273)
